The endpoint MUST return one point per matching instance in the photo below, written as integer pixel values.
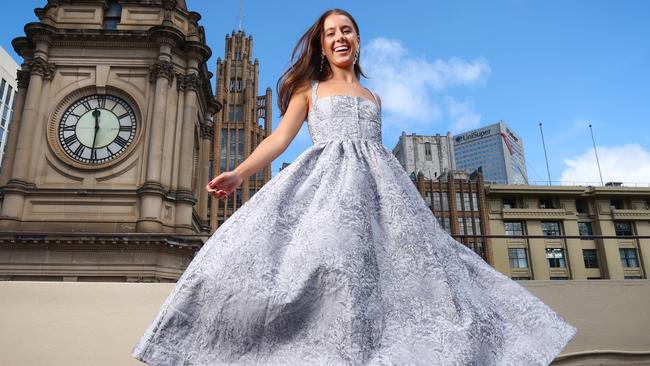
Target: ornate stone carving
(207, 131)
(41, 67)
(22, 79)
(192, 82)
(163, 69)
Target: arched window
(112, 15)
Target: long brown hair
(308, 63)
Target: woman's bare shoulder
(303, 91)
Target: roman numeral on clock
(70, 140)
(120, 141)
(80, 150)
(86, 105)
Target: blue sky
(563, 63)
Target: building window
(461, 226)
(514, 228)
(478, 225)
(628, 257)
(470, 225)
(474, 202)
(444, 222)
(551, 228)
(582, 206)
(590, 257)
(555, 257)
(234, 113)
(436, 202)
(546, 203)
(623, 228)
(616, 204)
(427, 150)
(112, 15)
(466, 202)
(445, 201)
(518, 258)
(509, 203)
(585, 230)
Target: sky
(451, 66)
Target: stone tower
(242, 124)
(110, 142)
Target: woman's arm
(269, 149)
(275, 144)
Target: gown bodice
(343, 117)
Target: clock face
(96, 129)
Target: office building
(494, 148)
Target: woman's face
(340, 40)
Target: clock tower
(110, 144)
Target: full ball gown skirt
(338, 260)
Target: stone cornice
(526, 213)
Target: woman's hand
(224, 184)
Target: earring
(356, 56)
(322, 61)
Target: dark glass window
(585, 229)
(628, 257)
(555, 257)
(509, 203)
(518, 258)
(551, 228)
(112, 15)
(427, 150)
(546, 203)
(590, 257)
(514, 228)
(623, 228)
(582, 206)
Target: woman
(337, 260)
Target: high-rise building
(8, 72)
(494, 148)
(431, 155)
(242, 124)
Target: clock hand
(96, 114)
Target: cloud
(462, 115)
(410, 86)
(628, 163)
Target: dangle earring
(356, 56)
(322, 61)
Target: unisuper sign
(472, 136)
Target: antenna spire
(596, 152)
(548, 171)
(241, 14)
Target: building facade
(562, 232)
(242, 124)
(457, 200)
(108, 155)
(431, 155)
(494, 148)
(8, 72)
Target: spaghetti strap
(314, 86)
(374, 96)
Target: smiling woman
(338, 260)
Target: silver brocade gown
(337, 260)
